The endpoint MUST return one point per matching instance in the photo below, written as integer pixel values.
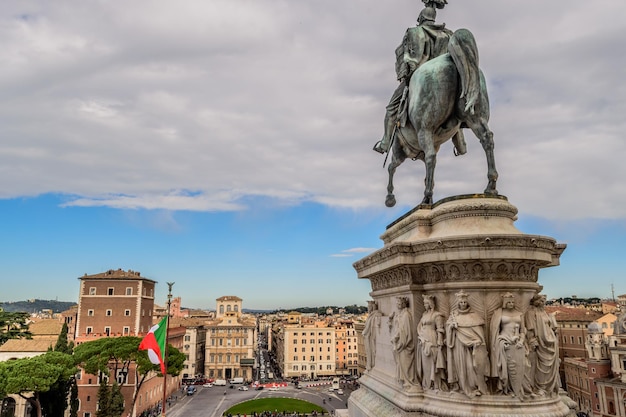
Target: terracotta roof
(28, 345)
(45, 327)
(573, 314)
(187, 321)
(229, 298)
(116, 274)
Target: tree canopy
(13, 326)
(35, 375)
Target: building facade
(230, 341)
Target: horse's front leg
(482, 132)
(397, 158)
(427, 144)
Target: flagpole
(167, 330)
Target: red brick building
(112, 304)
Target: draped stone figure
(370, 331)
(468, 362)
(544, 348)
(401, 330)
(431, 362)
(508, 350)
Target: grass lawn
(270, 404)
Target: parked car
(274, 389)
(190, 390)
(340, 391)
(207, 385)
(259, 388)
(243, 388)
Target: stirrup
(378, 147)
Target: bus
(335, 383)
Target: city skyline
(226, 146)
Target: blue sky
(226, 145)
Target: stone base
(461, 245)
(366, 402)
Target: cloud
(111, 106)
(350, 252)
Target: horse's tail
(464, 53)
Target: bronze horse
(446, 94)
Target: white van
(236, 380)
(220, 382)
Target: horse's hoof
(427, 201)
(489, 191)
(390, 201)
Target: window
(107, 331)
(295, 358)
(90, 313)
(126, 330)
(122, 377)
(222, 309)
(187, 338)
(92, 291)
(110, 291)
(304, 349)
(109, 313)
(127, 312)
(295, 342)
(89, 330)
(129, 291)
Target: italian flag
(154, 343)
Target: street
(214, 401)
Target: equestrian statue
(442, 91)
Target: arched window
(8, 407)
(228, 307)
(236, 308)
(222, 309)
(611, 407)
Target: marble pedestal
(464, 243)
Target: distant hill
(35, 306)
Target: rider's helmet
(428, 14)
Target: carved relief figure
(508, 351)
(431, 363)
(372, 324)
(468, 362)
(544, 349)
(401, 330)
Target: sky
(226, 145)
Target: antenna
(613, 292)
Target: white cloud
(114, 106)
